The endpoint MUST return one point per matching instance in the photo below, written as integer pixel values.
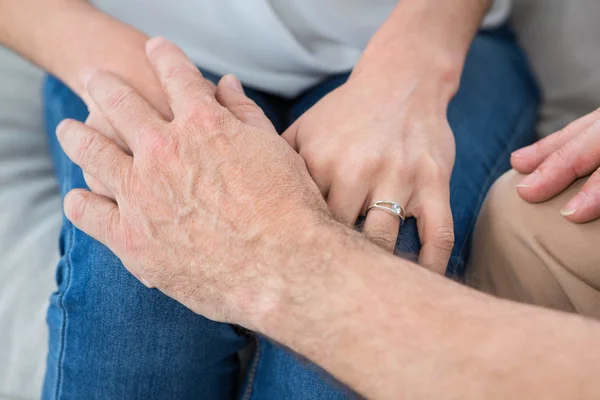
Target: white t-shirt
(279, 46)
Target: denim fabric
(111, 337)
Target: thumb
(230, 94)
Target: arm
(384, 134)
(393, 330)
(425, 38)
(67, 36)
(228, 222)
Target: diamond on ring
(391, 207)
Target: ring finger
(381, 226)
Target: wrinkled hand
(366, 142)
(556, 161)
(97, 121)
(203, 203)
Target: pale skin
(389, 140)
(187, 220)
(555, 162)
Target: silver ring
(391, 207)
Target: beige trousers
(530, 253)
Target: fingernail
(575, 204)
(153, 43)
(86, 76)
(60, 127)
(529, 180)
(525, 152)
(233, 83)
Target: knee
(503, 216)
(506, 249)
(529, 252)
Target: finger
(94, 153)
(124, 108)
(527, 159)
(380, 226)
(346, 199)
(290, 135)
(436, 228)
(94, 214)
(97, 187)
(585, 206)
(576, 159)
(183, 83)
(230, 94)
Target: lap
(110, 336)
(530, 253)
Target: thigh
(530, 253)
(493, 114)
(278, 373)
(110, 336)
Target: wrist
(428, 66)
(421, 40)
(323, 269)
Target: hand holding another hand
(203, 204)
(368, 141)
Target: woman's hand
(556, 161)
(368, 141)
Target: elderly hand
(556, 161)
(367, 141)
(203, 203)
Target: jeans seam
(61, 304)
(491, 179)
(63, 327)
(253, 371)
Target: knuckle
(207, 118)
(353, 172)
(246, 110)
(562, 160)
(91, 148)
(119, 98)
(382, 238)
(433, 171)
(444, 239)
(160, 146)
(359, 166)
(316, 157)
(179, 72)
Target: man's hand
(557, 161)
(367, 141)
(203, 203)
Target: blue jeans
(111, 337)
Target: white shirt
(279, 46)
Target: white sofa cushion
(562, 39)
(30, 219)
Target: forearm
(424, 38)
(66, 36)
(391, 329)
